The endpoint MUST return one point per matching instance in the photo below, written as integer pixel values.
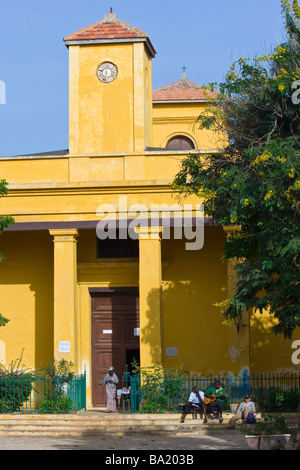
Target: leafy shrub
(58, 374)
(292, 399)
(15, 385)
(279, 400)
(5, 406)
(61, 370)
(158, 388)
(63, 405)
(269, 424)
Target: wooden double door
(115, 335)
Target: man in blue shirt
(196, 399)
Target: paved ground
(111, 445)
(183, 442)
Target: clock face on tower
(107, 72)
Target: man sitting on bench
(196, 399)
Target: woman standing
(110, 381)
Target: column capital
(65, 235)
(149, 233)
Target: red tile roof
(109, 29)
(106, 30)
(183, 90)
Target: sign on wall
(64, 347)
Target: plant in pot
(274, 431)
(252, 435)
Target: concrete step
(104, 430)
(102, 423)
(138, 419)
(125, 420)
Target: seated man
(243, 410)
(196, 398)
(218, 404)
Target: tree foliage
(254, 183)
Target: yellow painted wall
(30, 200)
(80, 201)
(109, 117)
(172, 119)
(192, 283)
(26, 297)
(269, 352)
(33, 173)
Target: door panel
(115, 320)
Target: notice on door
(64, 347)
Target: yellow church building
(73, 283)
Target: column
(150, 279)
(65, 293)
(238, 341)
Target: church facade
(104, 262)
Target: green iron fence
(42, 395)
(270, 392)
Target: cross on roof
(183, 77)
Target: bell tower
(110, 88)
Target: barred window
(116, 248)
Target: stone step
(138, 424)
(101, 418)
(101, 424)
(132, 427)
(106, 430)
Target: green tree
(254, 183)
(5, 222)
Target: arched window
(180, 142)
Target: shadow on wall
(270, 353)
(194, 337)
(192, 333)
(27, 276)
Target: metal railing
(270, 392)
(42, 395)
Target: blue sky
(205, 36)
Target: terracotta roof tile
(183, 90)
(110, 29)
(106, 30)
